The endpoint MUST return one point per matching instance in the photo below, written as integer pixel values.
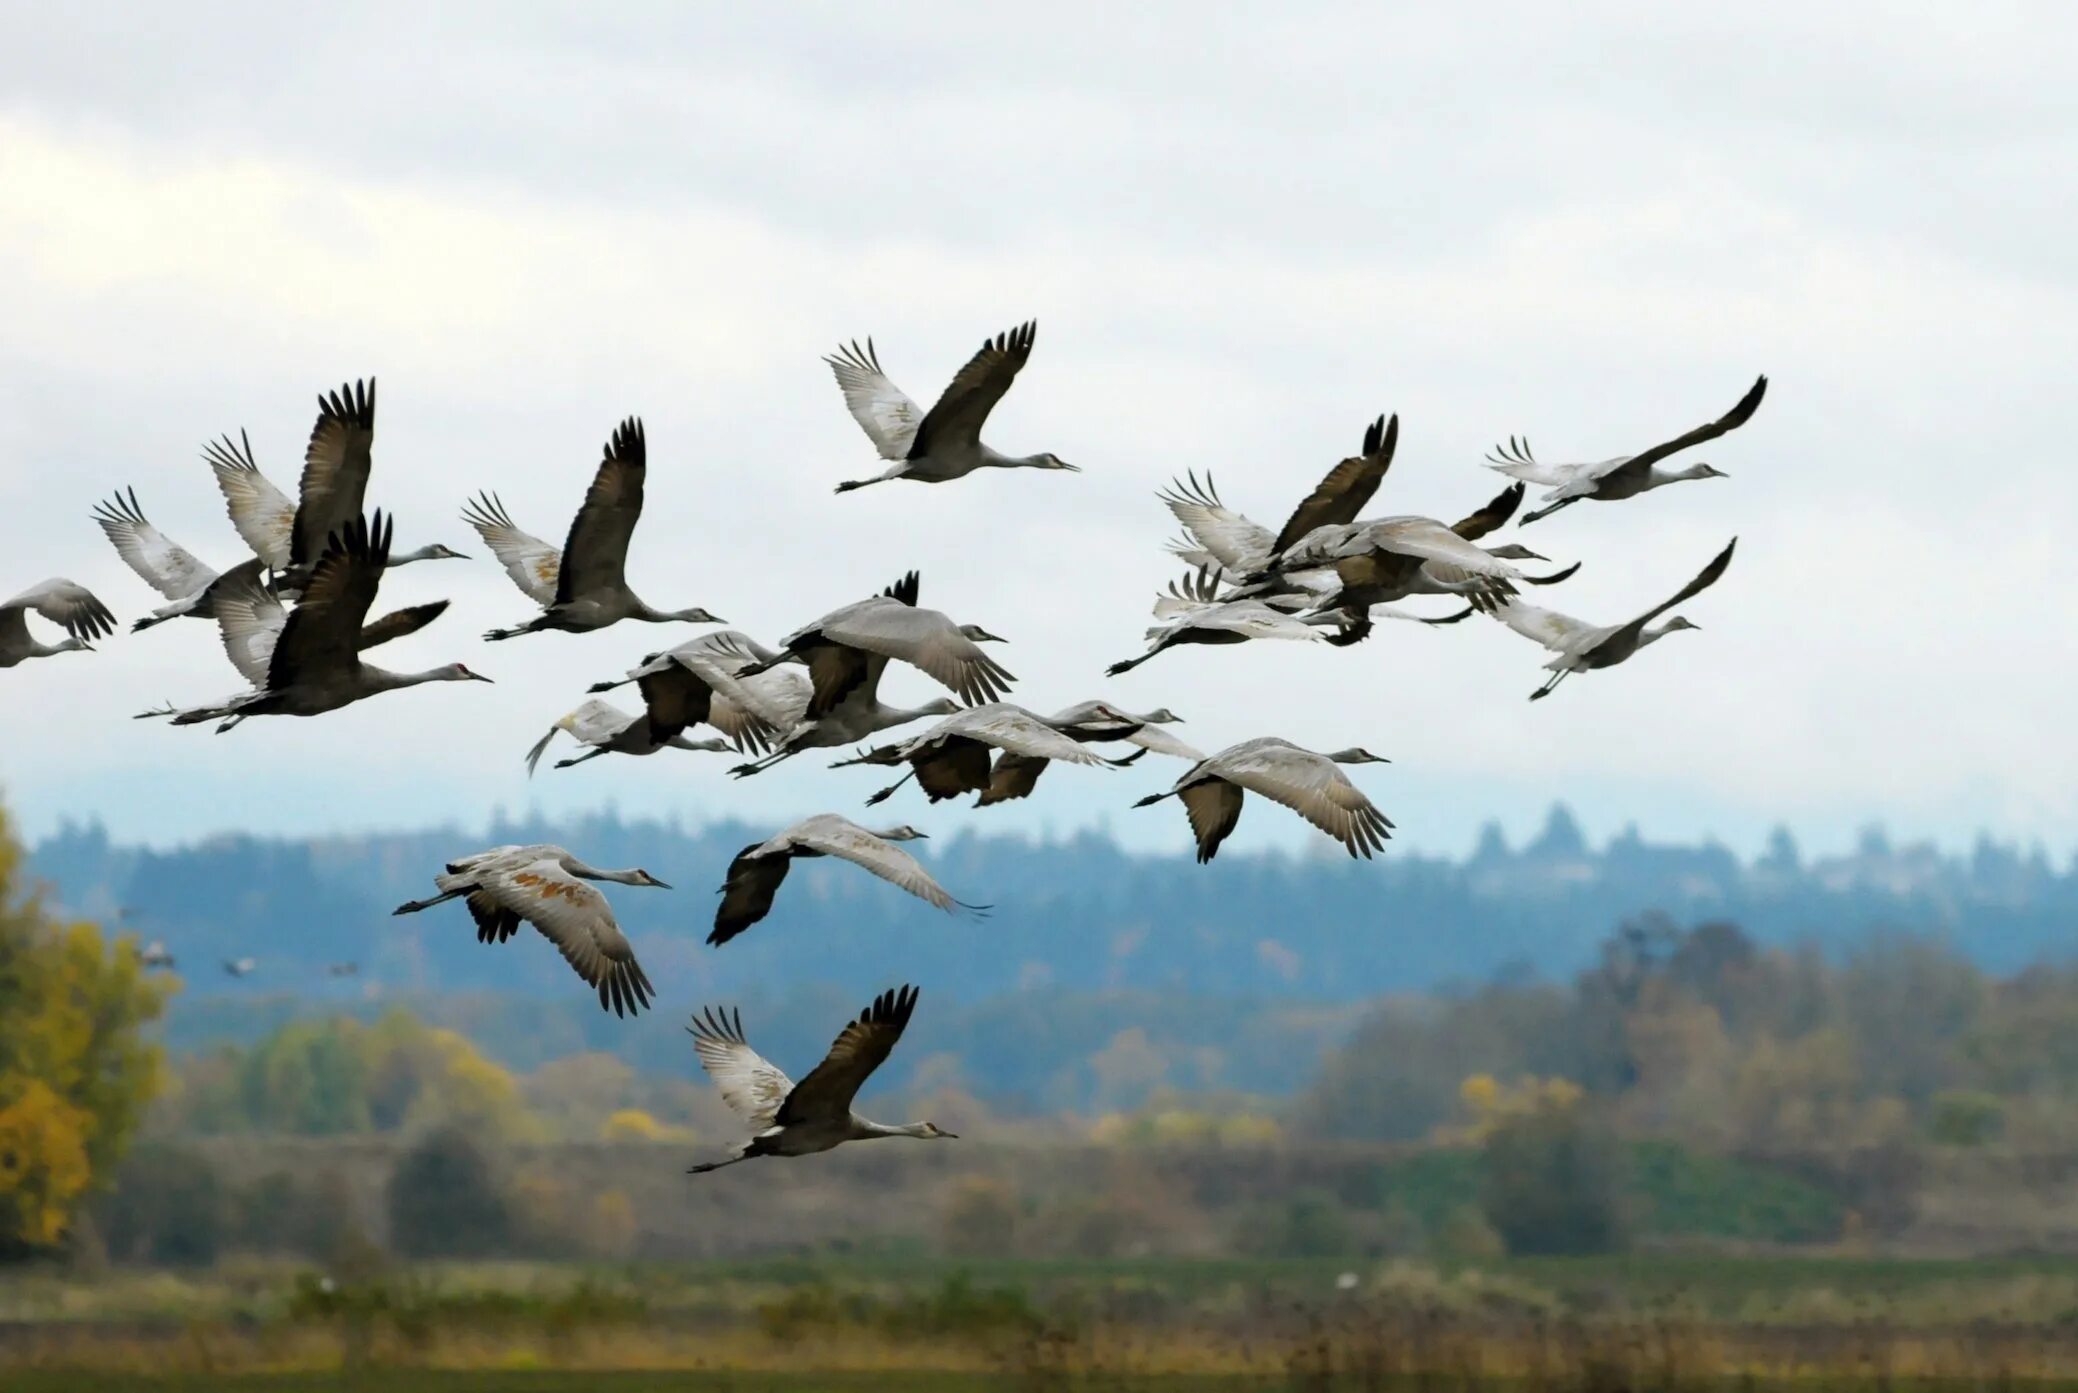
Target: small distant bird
(944, 443)
(156, 955)
(240, 967)
(1623, 476)
(584, 586)
(309, 663)
(760, 869)
(546, 886)
(1582, 647)
(609, 730)
(799, 1119)
(342, 969)
(1309, 784)
(70, 606)
(952, 757)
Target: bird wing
(1013, 776)
(1447, 556)
(335, 469)
(1561, 633)
(573, 915)
(925, 639)
(1738, 416)
(1234, 540)
(883, 410)
(1342, 494)
(163, 564)
(1017, 731)
(249, 619)
(533, 564)
(750, 1083)
(957, 417)
(1154, 738)
(399, 623)
(322, 635)
(68, 604)
(1515, 460)
(1213, 807)
(748, 889)
(859, 1049)
(840, 837)
(262, 513)
(745, 729)
(1704, 579)
(596, 554)
(674, 696)
(1314, 787)
(775, 699)
(1492, 516)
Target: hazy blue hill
(1085, 939)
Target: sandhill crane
(703, 681)
(609, 730)
(944, 443)
(758, 870)
(1581, 646)
(585, 586)
(546, 886)
(1624, 476)
(250, 619)
(952, 757)
(312, 659)
(1015, 775)
(1197, 615)
(799, 1119)
(67, 604)
(263, 515)
(846, 649)
(156, 955)
(859, 715)
(1309, 784)
(342, 969)
(161, 563)
(1391, 558)
(240, 967)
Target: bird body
(1016, 774)
(1580, 647)
(1310, 784)
(309, 663)
(840, 649)
(790, 1119)
(590, 585)
(758, 871)
(1621, 476)
(945, 443)
(706, 680)
(68, 604)
(952, 757)
(547, 887)
(607, 729)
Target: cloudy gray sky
(1244, 231)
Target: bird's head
(940, 706)
(1699, 470)
(437, 552)
(457, 672)
(1677, 622)
(696, 615)
(932, 1131)
(1050, 460)
(904, 833)
(979, 634)
(1161, 716)
(1357, 754)
(643, 877)
(1514, 551)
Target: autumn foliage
(76, 1068)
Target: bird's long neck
(579, 868)
(406, 558)
(383, 680)
(1652, 635)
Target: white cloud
(1238, 254)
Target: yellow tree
(76, 1068)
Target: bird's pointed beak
(1072, 469)
(955, 1136)
(658, 884)
(923, 836)
(479, 677)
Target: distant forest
(1281, 950)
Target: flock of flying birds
(294, 621)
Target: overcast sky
(1244, 232)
